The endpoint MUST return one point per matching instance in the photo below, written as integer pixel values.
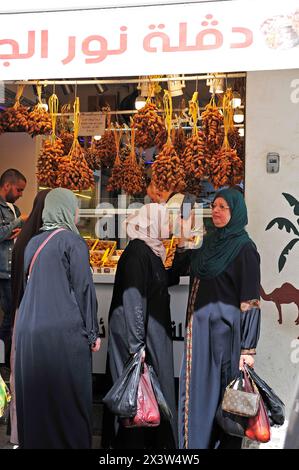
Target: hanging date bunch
(15, 119)
(48, 162)
(149, 125)
(195, 152)
(167, 170)
(73, 170)
(225, 167)
(52, 151)
(133, 181)
(178, 138)
(237, 143)
(115, 181)
(92, 157)
(105, 147)
(67, 140)
(212, 121)
(39, 120)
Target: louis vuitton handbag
(238, 401)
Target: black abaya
(140, 314)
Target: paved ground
(5, 444)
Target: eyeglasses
(220, 207)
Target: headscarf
(150, 224)
(60, 210)
(221, 246)
(31, 227)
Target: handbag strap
(238, 379)
(41, 247)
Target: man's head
(158, 195)
(153, 192)
(12, 185)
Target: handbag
(238, 401)
(121, 399)
(258, 427)
(147, 414)
(5, 396)
(274, 405)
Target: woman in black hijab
(30, 228)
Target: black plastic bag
(274, 405)
(163, 407)
(231, 424)
(122, 397)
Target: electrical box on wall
(272, 162)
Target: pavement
(97, 420)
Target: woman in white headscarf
(56, 330)
(140, 316)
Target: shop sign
(150, 40)
(92, 124)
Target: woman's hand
(96, 346)
(246, 358)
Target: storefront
(195, 40)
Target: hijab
(222, 245)
(60, 210)
(30, 228)
(150, 225)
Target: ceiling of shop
(118, 96)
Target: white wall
(18, 150)
(272, 125)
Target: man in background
(12, 185)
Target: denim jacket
(8, 223)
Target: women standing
(31, 227)
(223, 321)
(140, 315)
(56, 330)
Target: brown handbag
(239, 402)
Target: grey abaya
(56, 324)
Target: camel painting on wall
(287, 293)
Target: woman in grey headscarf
(56, 331)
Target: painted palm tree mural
(287, 293)
(286, 224)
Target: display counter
(178, 305)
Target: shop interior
(84, 129)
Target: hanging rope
(39, 95)
(53, 109)
(76, 108)
(228, 113)
(132, 153)
(167, 100)
(19, 93)
(193, 112)
(117, 137)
